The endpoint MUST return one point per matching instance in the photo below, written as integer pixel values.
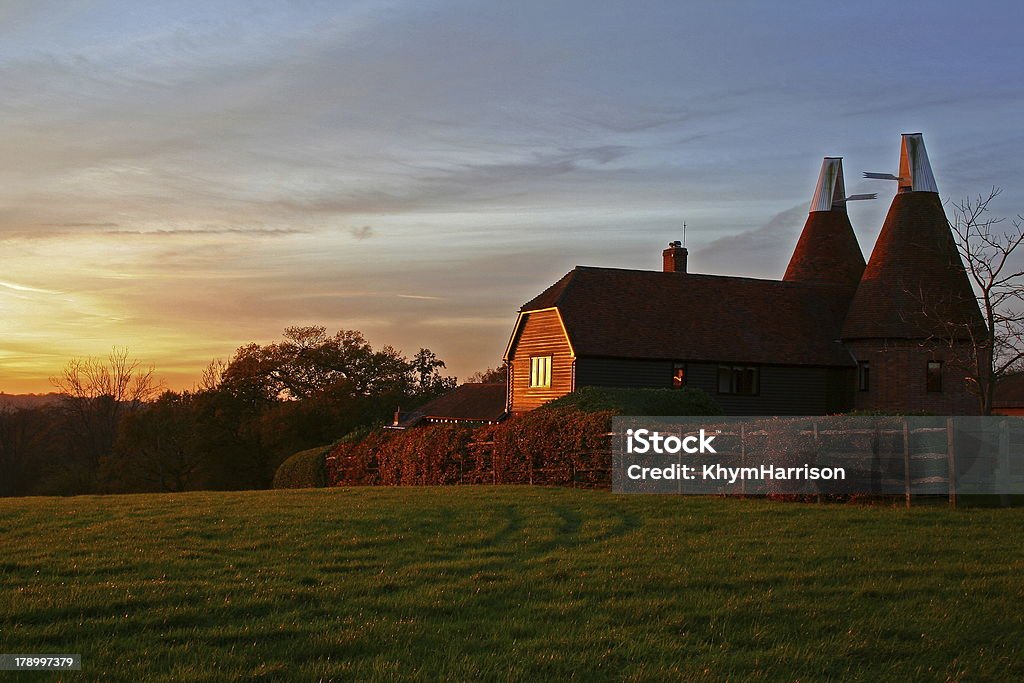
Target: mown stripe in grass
(504, 583)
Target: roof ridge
(555, 291)
(641, 271)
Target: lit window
(679, 375)
(863, 375)
(933, 376)
(540, 371)
(738, 379)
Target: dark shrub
(304, 470)
(686, 401)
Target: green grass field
(509, 583)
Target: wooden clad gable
(539, 334)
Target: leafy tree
(309, 361)
(228, 439)
(156, 449)
(496, 375)
(429, 381)
(27, 442)
(251, 376)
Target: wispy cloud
(79, 225)
(760, 252)
(420, 297)
(25, 288)
(186, 179)
(364, 232)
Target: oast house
(833, 335)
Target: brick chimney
(674, 258)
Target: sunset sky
(184, 177)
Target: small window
(679, 375)
(933, 377)
(743, 380)
(863, 375)
(540, 371)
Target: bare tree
(213, 375)
(987, 246)
(98, 392)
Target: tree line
(115, 430)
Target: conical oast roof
(915, 285)
(827, 250)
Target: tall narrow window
(540, 371)
(678, 375)
(863, 375)
(933, 377)
(739, 379)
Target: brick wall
(898, 378)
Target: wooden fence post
(876, 449)
(1004, 463)
(906, 461)
(743, 457)
(679, 480)
(951, 455)
(817, 453)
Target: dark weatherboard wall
(784, 390)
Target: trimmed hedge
(556, 447)
(655, 402)
(303, 470)
(888, 413)
(431, 455)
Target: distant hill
(22, 401)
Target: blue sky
(182, 178)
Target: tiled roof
(684, 316)
(466, 403)
(827, 251)
(550, 296)
(914, 284)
